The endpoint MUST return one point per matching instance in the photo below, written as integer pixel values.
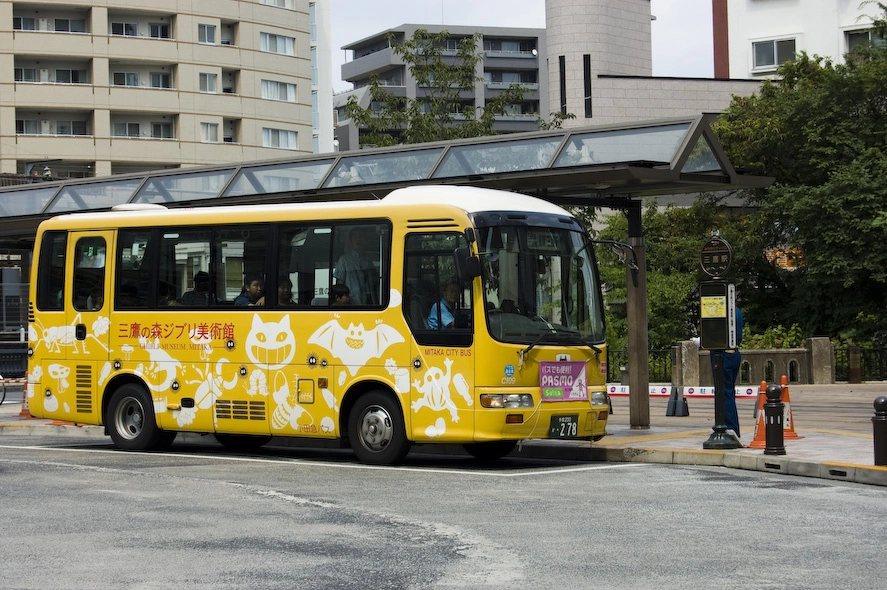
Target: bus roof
(419, 199)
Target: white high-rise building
(89, 88)
(759, 35)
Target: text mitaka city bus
(434, 315)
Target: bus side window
(51, 275)
(305, 260)
(89, 274)
(134, 269)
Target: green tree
(820, 130)
(674, 237)
(445, 107)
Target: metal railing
(872, 364)
(659, 361)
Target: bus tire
(131, 422)
(242, 442)
(376, 429)
(490, 451)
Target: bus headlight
(599, 398)
(510, 400)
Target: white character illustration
(438, 429)
(580, 387)
(355, 345)
(435, 390)
(60, 374)
(271, 343)
(162, 369)
(288, 411)
(401, 376)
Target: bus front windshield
(541, 285)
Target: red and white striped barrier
(742, 392)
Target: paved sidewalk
(833, 421)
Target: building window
(125, 79)
(125, 29)
(161, 80)
(314, 66)
(64, 76)
(283, 91)
(770, 54)
(279, 3)
(562, 73)
(586, 69)
(208, 83)
(277, 44)
(312, 21)
(161, 130)
(206, 34)
(125, 130)
(25, 74)
(279, 138)
(209, 132)
(24, 23)
(26, 127)
(858, 40)
(70, 128)
(159, 30)
(70, 25)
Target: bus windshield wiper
(523, 352)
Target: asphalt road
(78, 514)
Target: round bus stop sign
(717, 256)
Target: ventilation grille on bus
(31, 318)
(236, 409)
(431, 223)
(83, 389)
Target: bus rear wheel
(131, 422)
(490, 451)
(376, 430)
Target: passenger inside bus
(253, 291)
(356, 271)
(199, 296)
(341, 295)
(442, 314)
(285, 292)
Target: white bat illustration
(355, 345)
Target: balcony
(42, 43)
(50, 95)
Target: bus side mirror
(467, 266)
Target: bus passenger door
(85, 335)
(439, 312)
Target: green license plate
(564, 426)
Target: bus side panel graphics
(441, 401)
(207, 379)
(68, 371)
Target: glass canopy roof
(655, 157)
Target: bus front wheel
(132, 425)
(376, 430)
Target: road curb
(751, 460)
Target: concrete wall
(813, 364)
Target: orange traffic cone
(789, 428)
(760, 439)
(25, 413)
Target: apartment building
(508, 55)
(759, 35)
(99, 88)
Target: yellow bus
(437, 314)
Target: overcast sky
(682, 43)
